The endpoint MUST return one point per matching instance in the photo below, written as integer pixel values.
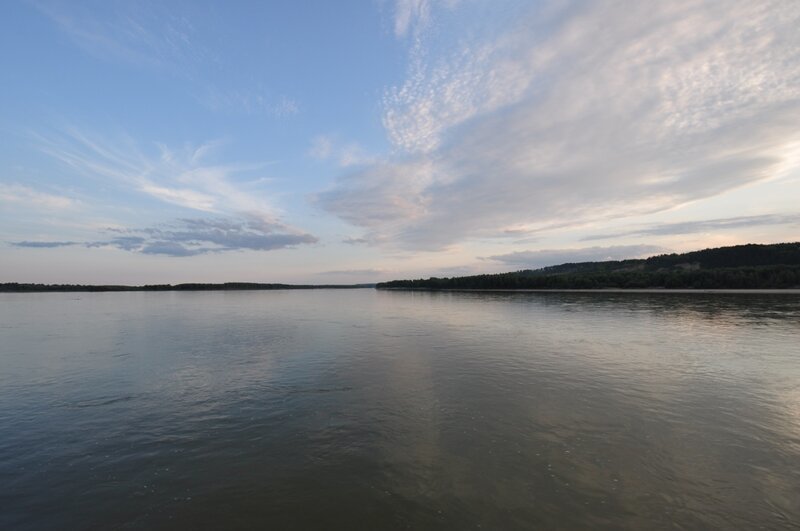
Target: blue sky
(363, 141)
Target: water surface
(363, 409)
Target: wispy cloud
(410, 14)
(182, 177)
(583, 111)
(345, 154)
(28, 197)
(142, 33)
(548, 257)
(707, 225)
(163, 36)
(284, 106)
(415, 16)
(355, 272)
(256, 101)
(191, 237)
(460, 271)
(321, 147)
(242, 219)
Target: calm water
(392, 410)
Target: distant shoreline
(782, 291)
(68, 288)
(14, 287)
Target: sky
(360, 141)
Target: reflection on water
(364, 410)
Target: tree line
(749, 266)
(20, 287)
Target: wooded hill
(748, 266)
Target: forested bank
(738, 267)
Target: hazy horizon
(357, 142)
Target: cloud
(191, 237)
(356, 272)
(256, 101)
(410, 13)
(415, 16)
(284, 107)
(174, 249)
(381, 196)
(587, 111)
(549, 257)
(182, 177)
(43, 245)
(164, 37)
(355, 241)
(708, 225)
(460, 271)
(126, 243)
(142, 33)
(321, 147)
(327, 147)
(29, 197)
